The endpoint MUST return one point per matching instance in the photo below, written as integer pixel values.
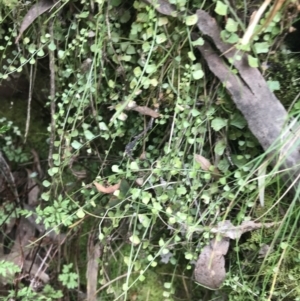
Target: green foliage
(56, 214)
(26, 293)
(7, 270)
(67, 277)
(166, 202)
(12, 132)
(281, 65)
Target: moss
(151, 288)
(284, 68)
(15, 110)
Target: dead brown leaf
(108, 189)
(132, 106)
(210, 267)
(163, 6)
(264, 250)
(35, 11)
(292, 29)
(204, 163)
(207, 166)
(227, 229)
(146, 111)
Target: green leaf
(41, 52)
(8, 269)
(238, 121)
(115, 168)
(135, 239)
(284, 245)
(262, 47)
(94, 47)
(273, 85)
(198, 74)
(142, 278)
(146, 197)
(197, 66)
(45, 196)
(181, 190)
(188, 256)
(52, 46)
(134, 166)
(55, 156)
(161, 38)
(195, 112)
(52, 171)
(253, 61)
(218, 123)
(221, 8)
(111, 84)
(162, 21)
(191, 55)
(31, 48)
(154, 82)
(137, 71)
(103, 126)
(144, 220)
(125, 16)
(68, 278)
(74, 133)
(198, 42)
(80, 213)
(76, 145)
(130, 50)
(231, 25)
(115, 2)
(46, 183)
(150, 68)
(220, 147)
(23, 60)
(233, 38)
(89, 135)
(191, 20)
(26, 41)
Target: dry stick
(31, 81)
(250, 30)
(112, 281)
(40, 267)
(52, 94)
(94, 253)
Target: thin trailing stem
(52, 95)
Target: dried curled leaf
(210, 267)
(35, 11)
(227, 229)
(146, 111)
(132, 106)
(108, 189)
(206, 165)
(163, 6)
